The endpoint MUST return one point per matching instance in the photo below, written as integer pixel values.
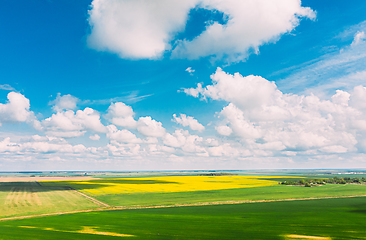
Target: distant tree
(307, 184)
(356, 180)
(342, 181)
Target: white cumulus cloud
(150, 127)
(71, 124)
(123, 135)
(94, 137)
(267, 120)
(185, 141)
(41, 144)
(224, 130)
(250, 24)
(188, 121)
(138, 29)
(65, 102)
(17, 109)
(7, 146)
(122, 115)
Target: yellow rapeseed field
(167, 184)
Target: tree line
(313, 182)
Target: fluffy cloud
(182, 139)
(46, 147)
(138, 28)
(249, 92)
(357, 98)
(224, 130)
(188, 121)
(144, 29)
(66, 134)
(223, 150)
(258, 122)
(121, 115)
(71, 124)
(17, 110)
(7, 146)
(41, 144)
(94, 137)
(249, 25)
(65, 102)
(123, 136)
(267, 120)
(150, 128)
(239, 124)
(120, 150)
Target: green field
(324, 218)
(342, 216)
(28, 198)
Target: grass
(327, 218)
(28, 198)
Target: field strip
(90, 198)
(55, 214)
(86, 196)
(231, 202)
(172, 206)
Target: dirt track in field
(90, 198)
(171, 206)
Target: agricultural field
(172, 190)
(164, 184)
(324, 219)
(203, 206)
(28, 198)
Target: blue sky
(94, 85)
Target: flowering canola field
(165, 184)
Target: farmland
(195, 189)
(181, 207)
(164, 184)
(320, 219)
(27, 198)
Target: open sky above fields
(195, 84)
